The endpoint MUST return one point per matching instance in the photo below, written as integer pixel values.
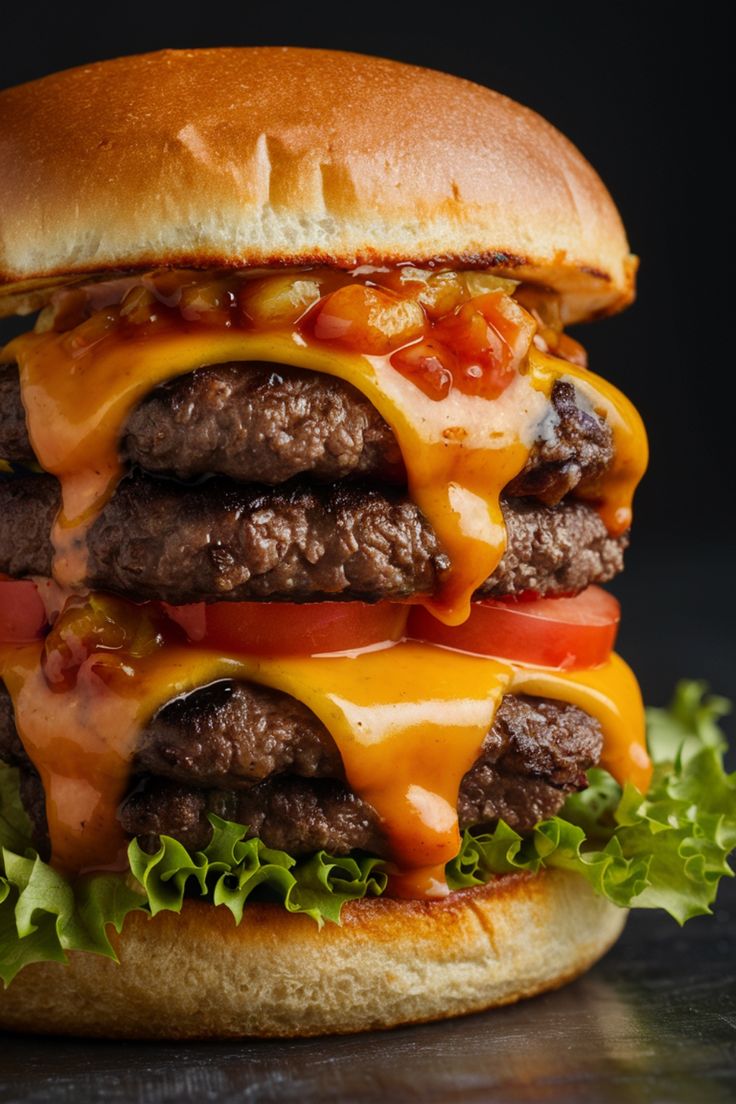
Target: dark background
(639, 93)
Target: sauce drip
(82, 742)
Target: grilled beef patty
(220, 541)
(266, 423)
(260, 758)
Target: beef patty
(221, 541)
(261, 758)
(266, 423)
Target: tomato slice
(22, 612)
(547, 632)
(287, 628)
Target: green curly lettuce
(666, 849)
(232, 867)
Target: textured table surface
(655, 1021)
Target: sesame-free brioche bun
(261, 156)
(198, 975)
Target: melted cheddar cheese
(408, 720)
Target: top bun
(269, 155)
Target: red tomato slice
(548, 632)
(285, 628)
(22, 613)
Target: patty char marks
(219, 541)
(258, 757)
(267, 423)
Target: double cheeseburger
(308, 498)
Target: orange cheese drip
(409, 721)
(459, 452)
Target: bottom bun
(198, 975)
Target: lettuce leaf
(232, 867)
(667, 849)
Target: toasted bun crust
(292, 156)
(197, 975)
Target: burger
(310, 718)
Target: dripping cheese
(409, 722)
